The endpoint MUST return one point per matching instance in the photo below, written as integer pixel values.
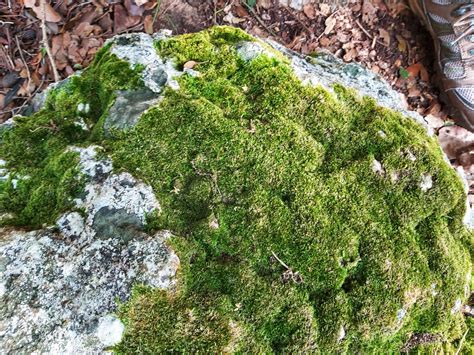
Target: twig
(279, 260)
(259, 20)
(25, 64)
(6, 22)
(461, 342)
(7, 57)
(367, 33)
(45, 42)
(289, 274)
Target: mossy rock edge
(306, 216)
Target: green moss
(35, 149)
(247, 162)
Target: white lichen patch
(426, 182)
(110, 330)
(377, 167)
(84, 108)
(251, 50)
(138, 49)
(58, 286)
(457, 306)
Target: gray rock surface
(59, 286)
(128, 107)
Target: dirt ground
(384, 36)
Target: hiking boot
(451, 24)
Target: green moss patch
(47, 178)
(251, 166)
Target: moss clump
(34, 150)
(248, 165)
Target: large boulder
(215, 192)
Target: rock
(57, 287)
(289, 202)
(128, 107)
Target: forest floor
(384, 36)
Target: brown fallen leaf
(46, 11)
(413, 70)
(133, 8)
(385, 36)
(325, 9)
(414, 92)
(122, 20)
(402, 44)
(455, 139)
(330, 23)
(434, 121)
(190, 64)
(369, 12)
(424, 73)
(266, 4)
(240, 11)
(309, 11)
(148, 24)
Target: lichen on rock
(308, 213)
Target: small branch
(280, 261)
(24, 63)
(368, 34)
(7, 57)
(461, 342)
(45, 42)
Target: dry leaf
(385, 36)
(140, 2)
(414, 69)
(230, 18)
(351, 54)
(325, 9)
(402, 44)
(266, 4)
(190, 64)
(330, 23)
(369, 12)
(453, 139)
(240, 11)
(148, 24)
(434, 121)
(309, 11)
(424, 73)
(51, 14)
(413, 92)
(133, 9)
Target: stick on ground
(45, 42)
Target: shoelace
(466, 18)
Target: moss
(288, 240)
(35, 149)
(247, 162)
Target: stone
(128, 107)
(57, 286)
(221, 208)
